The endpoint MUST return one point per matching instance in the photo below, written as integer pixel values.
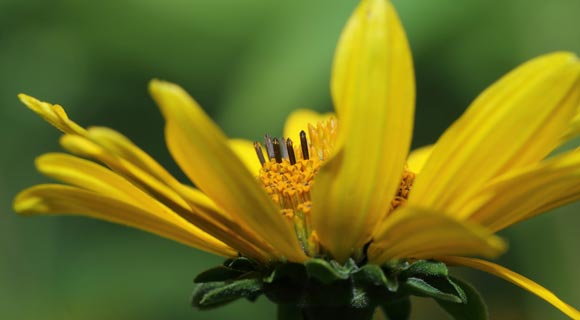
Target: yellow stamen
(404, 189)
(289, 170)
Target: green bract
(320, 288)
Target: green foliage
(319, 287)
(473, 308)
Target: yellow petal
(521, 194)
(299, 120)
(59, 199)
(201, 150)
(117, 144)
(416, 233)
(516, 279)
(244, 149)
(418, 157)
(53, 114)
(187, 202)
(373, 90)
(516, 122)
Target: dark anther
(277, 151)
(269, 147)
(283, 148)
(259, 152)
(304, 145)
(290, 149)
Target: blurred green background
(249, 63)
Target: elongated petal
(138, 168)
(373, 90)
(418, 157)
(53, 114)
(514, 123)
(117, 144)
(416, 233)
(299, 120)
(522, 194)
(201, 150)
(91, 176)
(516, 279)
(246, 152)
(59, 199)
(187, 202)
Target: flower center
(289, 169)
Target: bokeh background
(249, 63)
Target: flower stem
(292, 312)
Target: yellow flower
(349, 187)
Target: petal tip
(24, 204)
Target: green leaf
(285, 285)
(360, 298)
(424, 268)
(213, 294)
(293, 271)
(218, 274)
(370, 274)
(421, 287)
(243, 264)
(473, 309)
(398, 309)
(325, 272)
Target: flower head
(338, 186)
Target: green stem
(291, 312)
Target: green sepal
(423, 268)
(329, 272)
(370, 274)
(434, 287)
(285, 285)
(474, 307)
(232, 269)
(397, 309)
(218, 274)
(293, 271)
(213, 294)
(242, 264)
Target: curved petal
(202, 152)
(187, 202)
(418, 157)
(374, 91)
(520, 195)
(53, 114)
(516, 122)
(59, 199)
(516, 279)
(244, 149)
(416, 233)
(299, 119)
(117, 144)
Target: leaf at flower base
(360, 298)
(242, 264)
(473, 309)
(370, 274)
(397, 309)
(214, 294)
(285, 285)
(293, 271)
(434, 287)
(218, 274)
(326, 272)
(423, 268)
